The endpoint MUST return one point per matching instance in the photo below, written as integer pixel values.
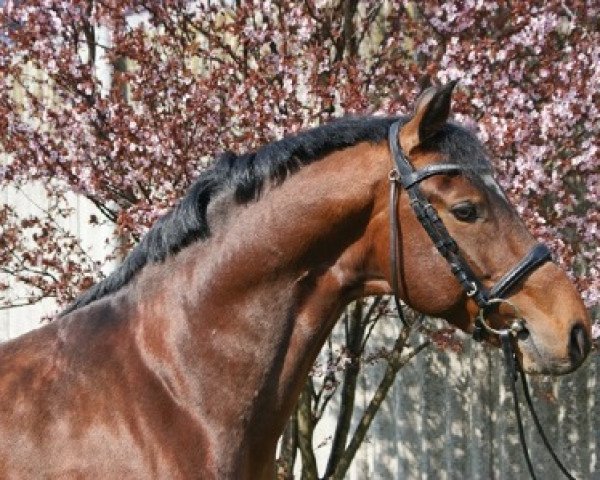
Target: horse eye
(465, 212)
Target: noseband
(487, 300)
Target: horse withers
(187, 360)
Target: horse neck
(245, 313)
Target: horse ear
(431, 113)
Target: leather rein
(488, 300)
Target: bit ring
(517, 325)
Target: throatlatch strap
(394, 247)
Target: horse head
(489, 235)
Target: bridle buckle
(473, 291)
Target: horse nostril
(579, 344)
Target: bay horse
(188, 359)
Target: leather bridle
(488, 300)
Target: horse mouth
(536, 362)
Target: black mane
(245, 175)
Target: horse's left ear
(431, 113)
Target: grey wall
(450, 416)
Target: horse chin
(535, 362)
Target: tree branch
(395, 362)
(347, 41)
(289, 445)
(354, 343)
(305, 433)
(25, 303)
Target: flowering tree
(187, 80)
